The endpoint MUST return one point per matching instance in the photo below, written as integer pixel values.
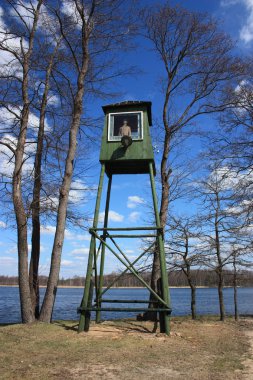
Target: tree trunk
(187, 272)
(193, 302)
(35, 253)
(235, 291)
(219, 270)
(49, 299)
(27, 314)
(220, 293)
(193, 293)
(164, 205)
(35, 206)
(21, 219)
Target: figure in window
(125, 129)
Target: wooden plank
(127, 309)
(126, 301)
(131, 236)
(125, 229)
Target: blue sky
(130, 199)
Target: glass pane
(125, 124)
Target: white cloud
(227, 3)
(134, 201)
(34, 122)
(8, 61)
(2, 224)
(226, 178)
(9, 265)
(9, 119)
(11, 116)
(69, 8)
(25, 11)
(12, 250)
(50, 203)
(66, 263)
(129, 251)
(80, 237)
(53, 100)
(113, 216)
(240, 87)
(247, 230)
(77, 195)
(246, 31)
(78, 191)
(80, 251)
(48, 230)
(244, 93)
(134, 216)
(69, 235)
(8, 260)
(242, 207)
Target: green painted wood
(130, 268)
(91, 252)
(125, 257)
(131, 236)
(134, 309)
(88, 309)
(102, 261)
(124, 301)
(125, 229)
(135, 158)
(125, 271)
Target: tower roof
(131, 103)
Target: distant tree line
(176, 278)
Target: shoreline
(125, 287)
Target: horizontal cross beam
(126, 301)
(131, 236)
(120, 309)
(126, 229)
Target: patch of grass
(126, 349)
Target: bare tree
(25, 33)
(183, 253)
(36, 201)
(198, 61)
(220, 222)
(234, 145)
(241, 248)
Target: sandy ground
(248, 362)
(206, 349)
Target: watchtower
(126, 149)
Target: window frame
(118, 138)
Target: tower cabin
(126, 144)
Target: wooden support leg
(89, 304)
(102, 261)
(91, 252)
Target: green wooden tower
(126, 149)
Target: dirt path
(248, 362)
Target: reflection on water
(68, 300)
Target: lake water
(68, 300)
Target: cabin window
(125, 124)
